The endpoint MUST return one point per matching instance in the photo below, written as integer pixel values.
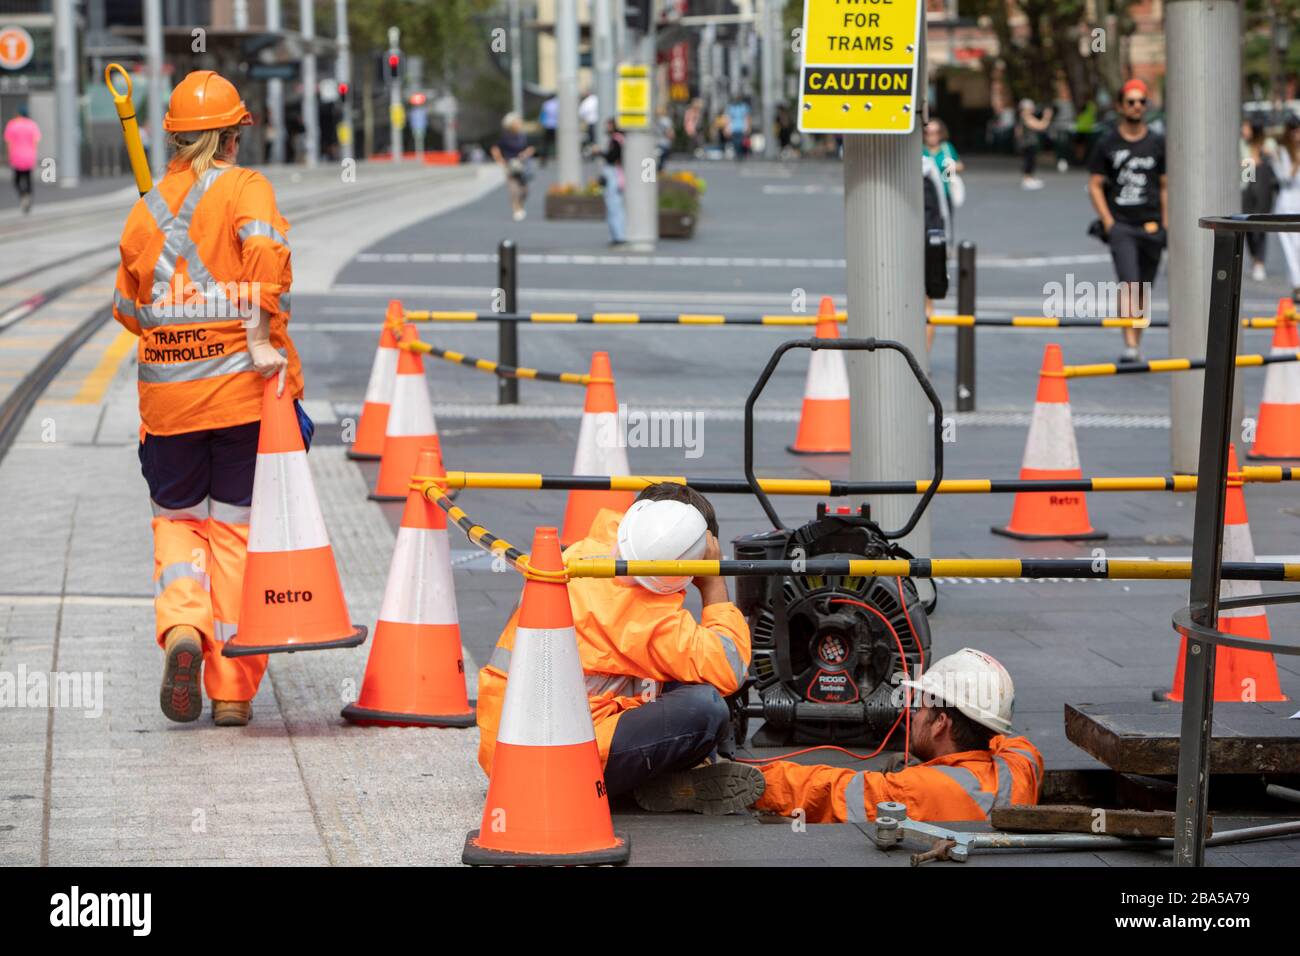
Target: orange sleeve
(125, 293)
(263, 235)
(673, 647)
(817, 791)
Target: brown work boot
(181, 695)
(714, 788)
(232, 713)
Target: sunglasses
(1141, 102)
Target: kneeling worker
(655, 676)
(958, 728)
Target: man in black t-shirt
(1129, 191)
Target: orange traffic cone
(1277, 430)
(601, 451)
(410, 424)
(546, 800)
(1238, 675)
(292, 598)
(824, 420)
(1051, 452)
(415, 675)
(369, 444)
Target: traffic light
(637, 14)
(343, 91)
(418, 99)
(394, 65)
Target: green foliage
(440, 31)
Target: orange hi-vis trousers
(198, 580)
(201, 484)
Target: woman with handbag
(513, 153)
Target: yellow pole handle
(130, 128)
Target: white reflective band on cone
(286, 514)
(383, 376)
(411, 413)
(419, 589)
(600, 448)
(828, 377)
(1051, 445)
(1238, 546)
(546, 696)
(1282, 381)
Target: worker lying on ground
(655, 676)
(959, 723)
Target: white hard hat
(662, 531)
(973, 682)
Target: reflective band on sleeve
(616, 685)
(257, 227)
(856, 799)
(1004, 798)
(500, 659)
(175, 572)
(733, 656)
(239, 361)
(195, 512)
(224, 631)
(123, 305)
(1033, 764)
(230, 514)
(970, 783)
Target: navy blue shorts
(184, 470)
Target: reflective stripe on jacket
(193, 253)
(631, 642)
(962, 786)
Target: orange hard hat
(205, 100)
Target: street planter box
(560, 206)
(676, 225)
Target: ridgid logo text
(102, 909)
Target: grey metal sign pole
(603, 60)
(343, 74)
(641, 193)
(68, 151)
(1203, 92)
(153, 41)
(516, 39)
(567, 134)
(275, 94)
(310, 114)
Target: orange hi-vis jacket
(630, 640)
(192, 254)
(961, 786)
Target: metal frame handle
(848, 345)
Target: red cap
(1134, 85)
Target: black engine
(826, 649)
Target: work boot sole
(181, 697)
(714, 790)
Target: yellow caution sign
(632, 99)
(858, 73)
(397, 116)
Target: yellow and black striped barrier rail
(1165, 365)
(500, 370)
(1117, 569)
(614, 318)
(1263, 474)
(1052, 322)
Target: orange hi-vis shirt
(193, 254)
(630, 640)
(961, 786)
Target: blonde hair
(201, 149)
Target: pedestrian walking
(1130, 193)
(950, 167)
(937, 216)
(22, 134)
(1259, 186)
(1286, 165)
(612, 174)
(739, 120)
(207, 228)
(588, 117)
(513, 153)
(1030, 128)
(549, 120)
